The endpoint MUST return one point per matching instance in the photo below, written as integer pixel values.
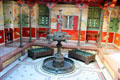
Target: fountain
(58, 64)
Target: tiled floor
(29, 69)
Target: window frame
(64, 24)
(94, 15)
(43, 9)
(43, 25)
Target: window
(43, 20)
(67, 22)
(94, 14)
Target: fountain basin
(68, 66)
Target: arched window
(43, 20)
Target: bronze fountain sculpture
(58, 64)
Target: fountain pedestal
(59, 59)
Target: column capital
(50, 5)
(20, 2)
(21, 5)
(81, 6)
(30, 4)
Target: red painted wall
(110, 39)
(41, 34)
(92, 37)
(73, 33)
(16, 33)
(83, 35)
(2, 36)
(26, 32)
(117, 39)
(10, 30)
(75, 22)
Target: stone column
(60, 20)
(30, 18)
(50, 11)
(50, 5)
(108, 23)
(79, 27)
(49, 31)
(21, 44)
(101, 27)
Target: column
(50, 5)
(30, 18)
(50, 11)
(108, 23)
(101, 27)
(21, 44)
(79, 27)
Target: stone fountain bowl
(68, 66)
(59, 36)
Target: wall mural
(116, 12)
(8, 14)
(115, 15)
(114, 23)
(1, 24)
(1, 16)
(34, 15)
(12, 15)
(25, 14)
(16, 11)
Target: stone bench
(81, 55)
(40, 52)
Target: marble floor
(28, 69)
(25, 68)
